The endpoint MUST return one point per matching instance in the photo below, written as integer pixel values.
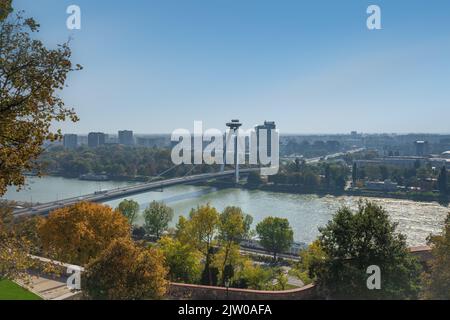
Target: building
(158, 141)
(269, 126)
(386, 185)
(402, 162)
(96, 139)
(70, 141)
(126, 137)
(422, 148)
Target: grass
(12, 291)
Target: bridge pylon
(234, 126)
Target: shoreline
(352, 193)
(287, 189)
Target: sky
(312, 66)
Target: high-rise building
(269, 126)
(70, 141)
(422, 148)
(96, 139)
(126, 137)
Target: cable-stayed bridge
(107, 195)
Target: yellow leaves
(30, 76)
(200, 229)
(5, 8)
(80, 232)
(183, 261)
(126, 271)
(14, 259)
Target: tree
(353, 241)
(443, 181)
(437, 280)
(327, 176)
(384, 172)
(130, 209)
(354, 174)
(248, 221)
(200, 231)
(253, 277)
(227, 260)
(181, 259)
(275, 235)
(30, 78)
(125, 271)
(232, 229)
(5, 9)
(157, 217)
(79, 233)
(309, 259)
(14, 249)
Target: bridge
(107, 195)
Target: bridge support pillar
(234, 127)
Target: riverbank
(416, 196)
(305, 212)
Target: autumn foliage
(31, 78)
(126, 271)
(79, 233)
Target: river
(305, 212)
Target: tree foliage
(14, 249)
(353, 241)
(125, 271)
(31, 77)
(200, 231)
(183, 262)
(275, 235)
(5, 9)
(78, 233)
(130, 209)
(233, 227)
(117, 161)
(437, 280)
(253, 276)
(443, 181)
(157, 217)
(309, 259)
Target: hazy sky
(311, 66)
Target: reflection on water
(305, 212)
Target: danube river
(305, 212)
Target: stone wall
(198, 292)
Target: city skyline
(155, 67)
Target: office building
(96, 139)
(422, 148)
(126, 137)
(70, 141)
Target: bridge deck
(112, 194)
